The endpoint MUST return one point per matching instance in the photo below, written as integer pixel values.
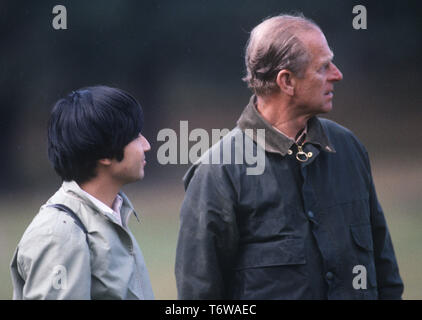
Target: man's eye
(325, 66)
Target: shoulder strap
(69, 211)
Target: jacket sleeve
(53, 262)
(390, 285)
(208, 235)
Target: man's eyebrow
(331, 53)
(329, 57)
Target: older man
(310, 226)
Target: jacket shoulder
(51, 233)
(339, 134)
(334, 127)
(214, 161)
(51, 225)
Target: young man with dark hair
(79, 245)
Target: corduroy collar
(275, 141)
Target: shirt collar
(299, 138)
(276, 141)
(124, 205)
(114, 210)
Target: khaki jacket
(55, 259)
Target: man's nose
(336, 74)
(145, 144)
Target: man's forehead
(315, 40)
(319, 49)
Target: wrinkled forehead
(317, 45)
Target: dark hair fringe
(90, 124)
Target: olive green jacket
(55, 259)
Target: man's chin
(134, 179)
(141, 175)
(326, 108)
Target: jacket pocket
(283, 252)
(362, 236)
(270, 270)
(364, 252)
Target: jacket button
(310, 214)
(329, 275)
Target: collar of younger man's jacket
(125, 211)
(275, 141)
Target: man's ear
(286, 82)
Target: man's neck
(281, 115)
(101, 189)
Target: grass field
(398, 190)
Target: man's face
(314, 92)
(131, 168)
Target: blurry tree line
(184, 60)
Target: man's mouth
(329, 93)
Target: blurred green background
(398, 186)
(183, 60)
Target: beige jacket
(56, 260)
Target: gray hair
(274, 45)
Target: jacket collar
(275, 141)
(72, 188)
